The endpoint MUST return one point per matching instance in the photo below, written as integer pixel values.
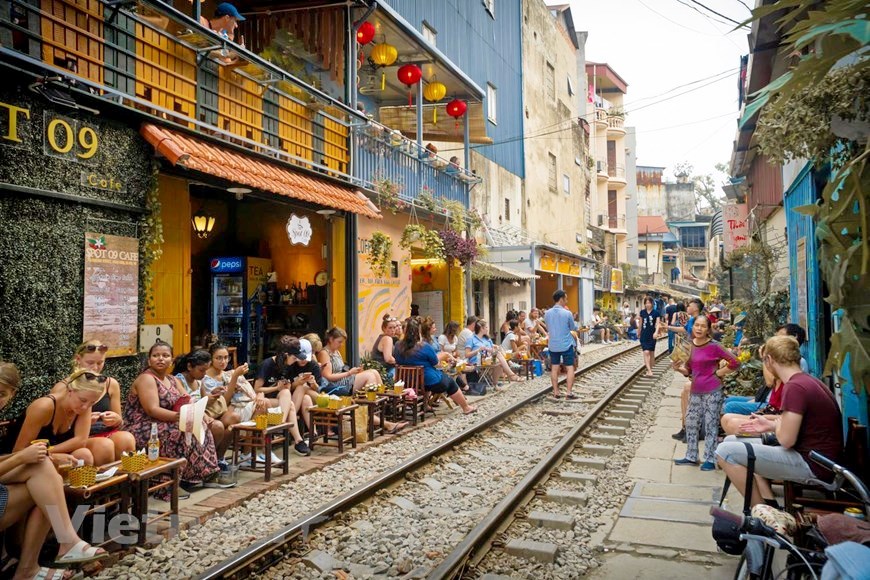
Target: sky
(657, 45)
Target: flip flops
(397, 427)
(81, 553)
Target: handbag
(216, 408)
(682, 350)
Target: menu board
(111, 292)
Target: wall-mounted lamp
(239, 192)
(202, 223)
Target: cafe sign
(111, 292)
(299, 230)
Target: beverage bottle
(153, 444)
(285, 295)
(293, 298)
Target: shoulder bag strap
(750, 479)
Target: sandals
(571, 397)
(81, 553)
(397, 427)
(45, 573)
(516, 378)
(470, 411)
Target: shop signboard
(547, 263)
(735, 232)
(616, 280)
(802, 282)
(299, 230)
(230, 265)
(111, 297)
(606, 280)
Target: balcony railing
(615, 171)
(147, 56)
(600, 115)
(383, 154)
(611, 221)
(616, 122)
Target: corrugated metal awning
(487, 271)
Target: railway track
(535, 432)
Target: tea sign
(299, 230)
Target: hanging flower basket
(380, 253)
(458, 248)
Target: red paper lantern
(365, 33)
(409, 74)
(456, 108)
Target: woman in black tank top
(30, 479)
(64, 418)
(106, 440)
(382, 351)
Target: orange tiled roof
(198, 155)
(651, 224)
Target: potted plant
(458, 248)
(388, 194)
(380, 253)
(412, 234)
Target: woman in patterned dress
(154, 398)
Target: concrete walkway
(663, 527)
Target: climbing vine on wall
(151, 240)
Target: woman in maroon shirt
(810, 421)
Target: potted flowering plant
(458, 248)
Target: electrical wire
(724, 72)
(707, 16)
(728, 18)
(674, 21)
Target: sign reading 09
(68, 138)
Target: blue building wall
(489, 50)
(802, 235)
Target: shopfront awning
(487, 271)
(199, 155)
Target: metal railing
(616, 171)
(384, 154)
(611, 221)
(147, 56)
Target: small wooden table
(378, 406)
(329, 418)
(526, 365)
(101, 496)
(150, 480)
(395, 405)
(252, 439)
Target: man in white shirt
(465, 334)
(534, 324)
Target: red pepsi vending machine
(236, 310)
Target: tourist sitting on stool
(412, 351)
(382, 352)
(810, 421)
(32, 492)
(342, 380)
(106, 440)
(480, 344)
(770, 404)
(64, 420)
(155, 398)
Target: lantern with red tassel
(365, 33)
(456, 109)
(410, 74)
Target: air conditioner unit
(599, 165)
(600, 220)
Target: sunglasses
(94, 377)
(94, 348)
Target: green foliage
(389, 194)
(42, 247)
(367, 362)
(380, 253)
(755, 265)
(764, 315)
(151, 240)
(416, 235)
(799, 114)
(629, 278)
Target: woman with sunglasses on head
(64, 419)
(31, 490)
(156, 397)
(107, 440)
(382, 352)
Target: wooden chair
(824, 497)
(413, 378)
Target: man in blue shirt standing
(560, 323)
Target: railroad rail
(282, 544)
(479, 541)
